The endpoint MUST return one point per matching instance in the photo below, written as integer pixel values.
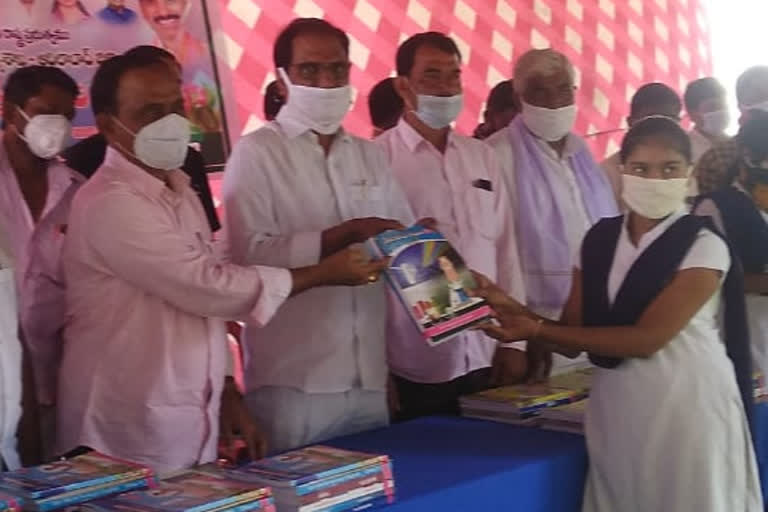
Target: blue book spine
(325, 484)
(65, 501)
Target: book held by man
(431, 280)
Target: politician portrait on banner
(77, 35)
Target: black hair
(385, 106)
(106, 80)
(149, 51)
(749, 79)
(24, 83)
(273, 101)
(282, 54)
(753, 135)
(406, 54)
(654, 94)
(656, 129)
(700, 91)
(503, 97)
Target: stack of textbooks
(522, 404)
(69, 482)
(202, 490)
(565, 418)
(8, 503)
(432, 282)
(323, 479)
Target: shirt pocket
(366, 200)
(481, 209)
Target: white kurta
(10, 358)
(668, 432)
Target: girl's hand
(502, 303)
(511, 327)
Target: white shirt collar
(651, 236)
(412, 138)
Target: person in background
(501, 108)
(297, 190)
(10, 356)
(717, 167)
(707, 106)
(741, 212)
(69, 12)
(167, 20)
(35, 194)
(385, 106)
(669, 397)
(457, 181)
(116, 13)
(557, 190)
(143, 370)
(652, 99)
(273, 102)
(87, 155)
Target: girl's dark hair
(659, 129)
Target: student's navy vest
(647, 278)
(745, 227)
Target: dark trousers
(442, 399)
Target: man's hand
(539, 363)
(428, 223)
(355, 231)
(351, 267)
(236, 422)
(510, 366)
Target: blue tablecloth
(457, 464)
(445, 464)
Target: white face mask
(550, 124)
(315, 108)
(162, 144)
(46, 134)
(437, 112)
(715, 123)
(654, 199)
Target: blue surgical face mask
(437, 112)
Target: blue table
(445, 464)
(457, 464)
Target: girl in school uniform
(666, 424)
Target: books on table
(522, 404)
(8, 503)
(431, 280)
(199, 490)
(565, 418)
(72, 481)
(323, 479)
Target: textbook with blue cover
(432, 281)
(191, 491)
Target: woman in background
(69, 12)
(666, 427)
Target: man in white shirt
(707, 106)
(10, 357)
(457, 181)
(35, 194)
(651, 99)
(557, 190)
(296, 190)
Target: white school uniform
(668, 432)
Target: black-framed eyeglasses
(311, 71)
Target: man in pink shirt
(456, 180)
(145, 356)
(35, 193)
